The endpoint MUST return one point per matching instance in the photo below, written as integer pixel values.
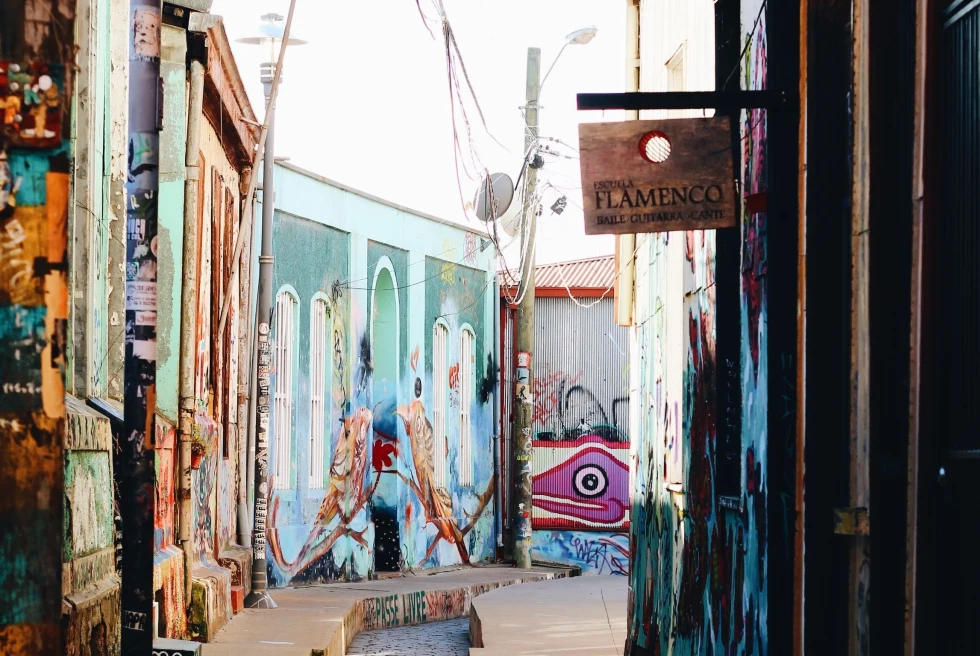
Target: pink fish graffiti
(588, 488)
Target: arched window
(320, 355)
(287, 307)
(467, 356)
(440, 393)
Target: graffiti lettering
(602, 555)
(414, 610)
(134, 620)
(567, 410)
(386, 611)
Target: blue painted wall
(387, 274)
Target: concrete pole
(524, 403)
(259, 597)
(35, 160)
(138, 475)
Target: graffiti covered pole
(136, 460)
(524, 403)
(36, 64)
(258, 597)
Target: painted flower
(383, 455)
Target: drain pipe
(188, 313)
(245, 508)
(497, 426)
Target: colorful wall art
(382, 458)
(580, 453)
(699, 580)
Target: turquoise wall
(388, 274)
(173, 144)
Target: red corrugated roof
(590, 273)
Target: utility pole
(524, 402)
(138, 475)
(259, 597)
(34, 160)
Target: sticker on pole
(657, 176)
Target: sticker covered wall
(35, 93)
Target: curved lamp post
(270, 35)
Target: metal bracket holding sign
(657, 176)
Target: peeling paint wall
(90, 583)
(35, 182)
(173, 141)
(118, 108)
(87, 371)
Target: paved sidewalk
(581, 615)
(324, 619)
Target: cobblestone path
(438, 638)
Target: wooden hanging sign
(657, 176)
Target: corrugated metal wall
(581, 370)
(581, 417)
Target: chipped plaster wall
(118, 109)
(90, 584)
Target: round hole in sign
(655, 147)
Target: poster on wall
(657, 176)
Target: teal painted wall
(379, 509)
(173, 143)
(322, 270)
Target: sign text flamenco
(657, 176)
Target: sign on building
(657, 176)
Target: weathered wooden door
(957, 329)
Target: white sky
(366, 102)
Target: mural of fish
(345, 496)
(587, 488)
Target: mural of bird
(437, 503)
(345, 495)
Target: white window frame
(321, 356)
(467, 358)
(287, 309)
(440, 401)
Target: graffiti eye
(590, 481)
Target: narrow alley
(619, 328)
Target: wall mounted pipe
(188, 314)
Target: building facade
(206, 566)
(701, 530)
(384, 374)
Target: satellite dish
(505, 210)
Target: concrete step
(168, 647)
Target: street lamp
(525, 327)
(271, 35)
(576, 38)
